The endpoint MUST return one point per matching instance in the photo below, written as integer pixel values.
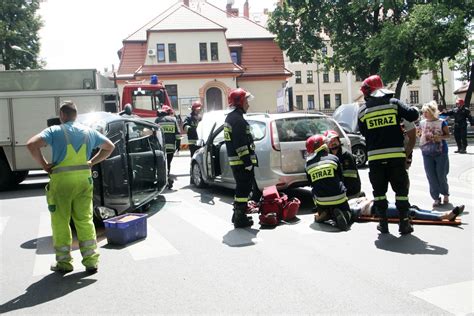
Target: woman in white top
(434, 132)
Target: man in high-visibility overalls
(69, 191)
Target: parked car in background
(136, 171)
(346, 116)
(280, 147)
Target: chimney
(231, 11)
(186, 3)
(246, 9)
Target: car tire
(8, 178)
(196, 175)
(360, 155)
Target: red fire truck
(145, 98)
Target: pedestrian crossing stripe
(153, 246)
(3, 223)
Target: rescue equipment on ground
(275, 207)
(123, 229)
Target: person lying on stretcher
(363, 206)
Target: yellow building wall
(265, 93)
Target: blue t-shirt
(54, 136)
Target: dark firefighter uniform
(460, 114)
(190, 123)
(350, 173)
(379, 122)
(324, 172)
(171, 133)
(241, 154)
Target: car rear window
(300, 128)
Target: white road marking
(45, 255)
(456, 298)
(44, 247)
(3, 223)
(153, 246)
(214, 226)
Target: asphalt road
(194, 262)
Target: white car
(280, 147)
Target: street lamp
(18, 48)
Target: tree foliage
(462, 62)
(393, 38)
(19, 26)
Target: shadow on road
(408, 244)
(49, 288)
(23, 191)
(240, 237)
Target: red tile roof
(133, 57)
(189, 69)
(261, 57)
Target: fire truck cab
(145, 98)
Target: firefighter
(241, 153)
(69, 191)
(350, 174)
(190, 125)
(379, 121)
(460, 114)
(325, 175)
(172, 135)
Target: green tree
(19, 26)
(390, 37)
(462, 61)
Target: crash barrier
(123, 229)
(275, 207)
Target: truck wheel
(7, 180)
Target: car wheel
(360, 155)
(196, 175)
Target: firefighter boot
(383, 222)
(405, 226)
(239, 218)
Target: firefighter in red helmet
(190, 126)
(241, 153)
(171, 133)
(379, 121)
(324, 174)
(460, 114)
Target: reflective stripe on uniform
(70, 168)
(385, 153)
(364, 112)
(168, 127)
(331, 200)
(63, 249)
(350, 173)
(380, 198)
(235, 160)
(241, 199)
(87, 243)
(242, 151)
(87, 252)
(192, 141)
(170, 146)
(401, 198)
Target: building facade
(201, 52)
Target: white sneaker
(446, 199)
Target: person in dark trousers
(350, 174)
(324, 173)
(190, 126)
(241, 153)
(379, 121)
(70, 188)
(171, 132)
(460, 114)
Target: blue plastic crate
(121, 233)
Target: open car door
(208, 156)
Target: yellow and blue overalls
(69, 194)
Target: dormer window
(236, 55)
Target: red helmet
(332, 137)
(460, 102)
(371, 84)
(315, 143)
(168, 109)
(196, 106)
(237, 97)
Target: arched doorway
(213, 99)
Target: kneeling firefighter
(241, 153)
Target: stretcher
(373, 218)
